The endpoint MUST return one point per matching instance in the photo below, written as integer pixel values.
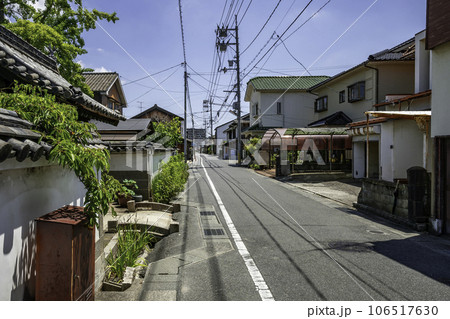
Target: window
(357, 92)
(255, 109)
(278, 107)
(342, 96)
(321, 104)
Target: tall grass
(131, 243)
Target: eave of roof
(371, 121)
(400, 114)
(337, 118)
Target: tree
(55, 29)
(168, 133)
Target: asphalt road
(302, 246)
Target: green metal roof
(317, 131)
(263, 83)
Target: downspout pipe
(376, 79)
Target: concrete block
(174, 227)
(176, 208)
(112, 226)
(128, 277)
(111, 286)
(131, 205)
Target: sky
(145, 46)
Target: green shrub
(170, 180)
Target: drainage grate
(207, 213)
(213, 232)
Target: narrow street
(294, 245)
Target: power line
(147, 76)
(262, 28)
(242, 18)
(298, 16)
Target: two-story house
(357, 89)
(107, 89)
(280, 101)
(345, 97)
(230, 147)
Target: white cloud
(81, 63)
(40, 4)
(100, 50)
(102, 69)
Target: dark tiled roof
(127, 146)
(338, 118)
(18, 140)
(275, 83)
(20, 60)
(157, 108)
(100, 81)
(128, 125)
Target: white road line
(257, 278)
(317, 243)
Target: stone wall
(380, 197)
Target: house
(158, 114)
(133, 153)
(230, 147)
(280, 101)
(345, 97)
(396, 143)
(107, 89)
(32, 186)
(438, 42)
(221, 139)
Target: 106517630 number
(403, 310)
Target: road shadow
(424, 254)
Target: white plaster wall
(440, 69)
(408, 147)
(129, 161)
(422, 64)
(255, 98)
(297, 109)
(386, 152)
(354, 110)
(26, 194)
(157, 160)
(221, 136)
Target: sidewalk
(344, 191)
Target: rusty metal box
(65, 255)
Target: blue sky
(150, 33)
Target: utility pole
(238, 78)
(185, 114)
(210, 117)
(223, 33)
(140, 107)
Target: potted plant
(126, 193)
(132, 185)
